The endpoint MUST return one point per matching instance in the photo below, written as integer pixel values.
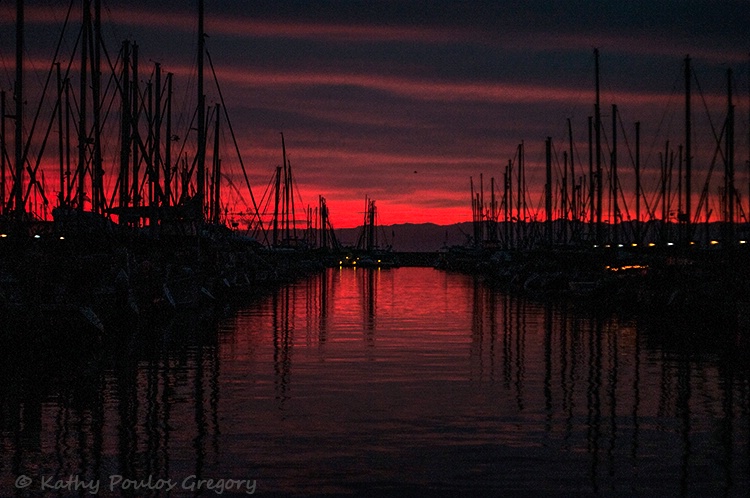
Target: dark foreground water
(383, 383)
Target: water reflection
(377, 381)
(67, 414)
(584, 376)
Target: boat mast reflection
(118, 414)
(596, 364)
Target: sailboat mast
(285, 205)
(68, 175)
(371, 243)
(509, 206)
(598, 144)
(149, 154)
(574, 215)
(216, 212)
(201, 166)
(18, 182)
(290, 195)
(474, 217)
(97, 194)
(614, 174)
(125, 122)
(166, 201)
(729, 190)
(638, 182)
(519, 195)
(156, 146)
(669, 193)
(592, 189)
(548, 190)
(277, 191)
(322, 227)
(564, 197)
(82, 126)
(480, 208)
(60, 138)
(493, 217)
(688, 152)
(135, 115)
(2, 152)
(680, 216)
(664, 174)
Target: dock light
(670, 243)
(714, 242)
(692, 242)
(341, 262)
(634, 244)
(651, 244)
(620, 245)
(378, 261)
(743, 242)
(3, 235)
(37, 236)
(607, 245)
(62, 238)
(595, 245)
(354, 262)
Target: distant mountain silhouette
(412, 237)
(429, 237)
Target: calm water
(381, 382)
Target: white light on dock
(595, 245)
(743, 242)
(62, 238)
(620, 245)
(3, 235)
(670, 243)
(607, 245)
(37, 236)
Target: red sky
(404, 101)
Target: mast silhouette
(60, 136)
(201, 166)
(548, 190)
(638, 182)
(613, 166)
(592, 177)
(598, 143)
(125, 122)
(216, 200)
(688, 154)
(573, 204)
(729, 169)
(97, 171)
(3, 152)
(19, 159)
